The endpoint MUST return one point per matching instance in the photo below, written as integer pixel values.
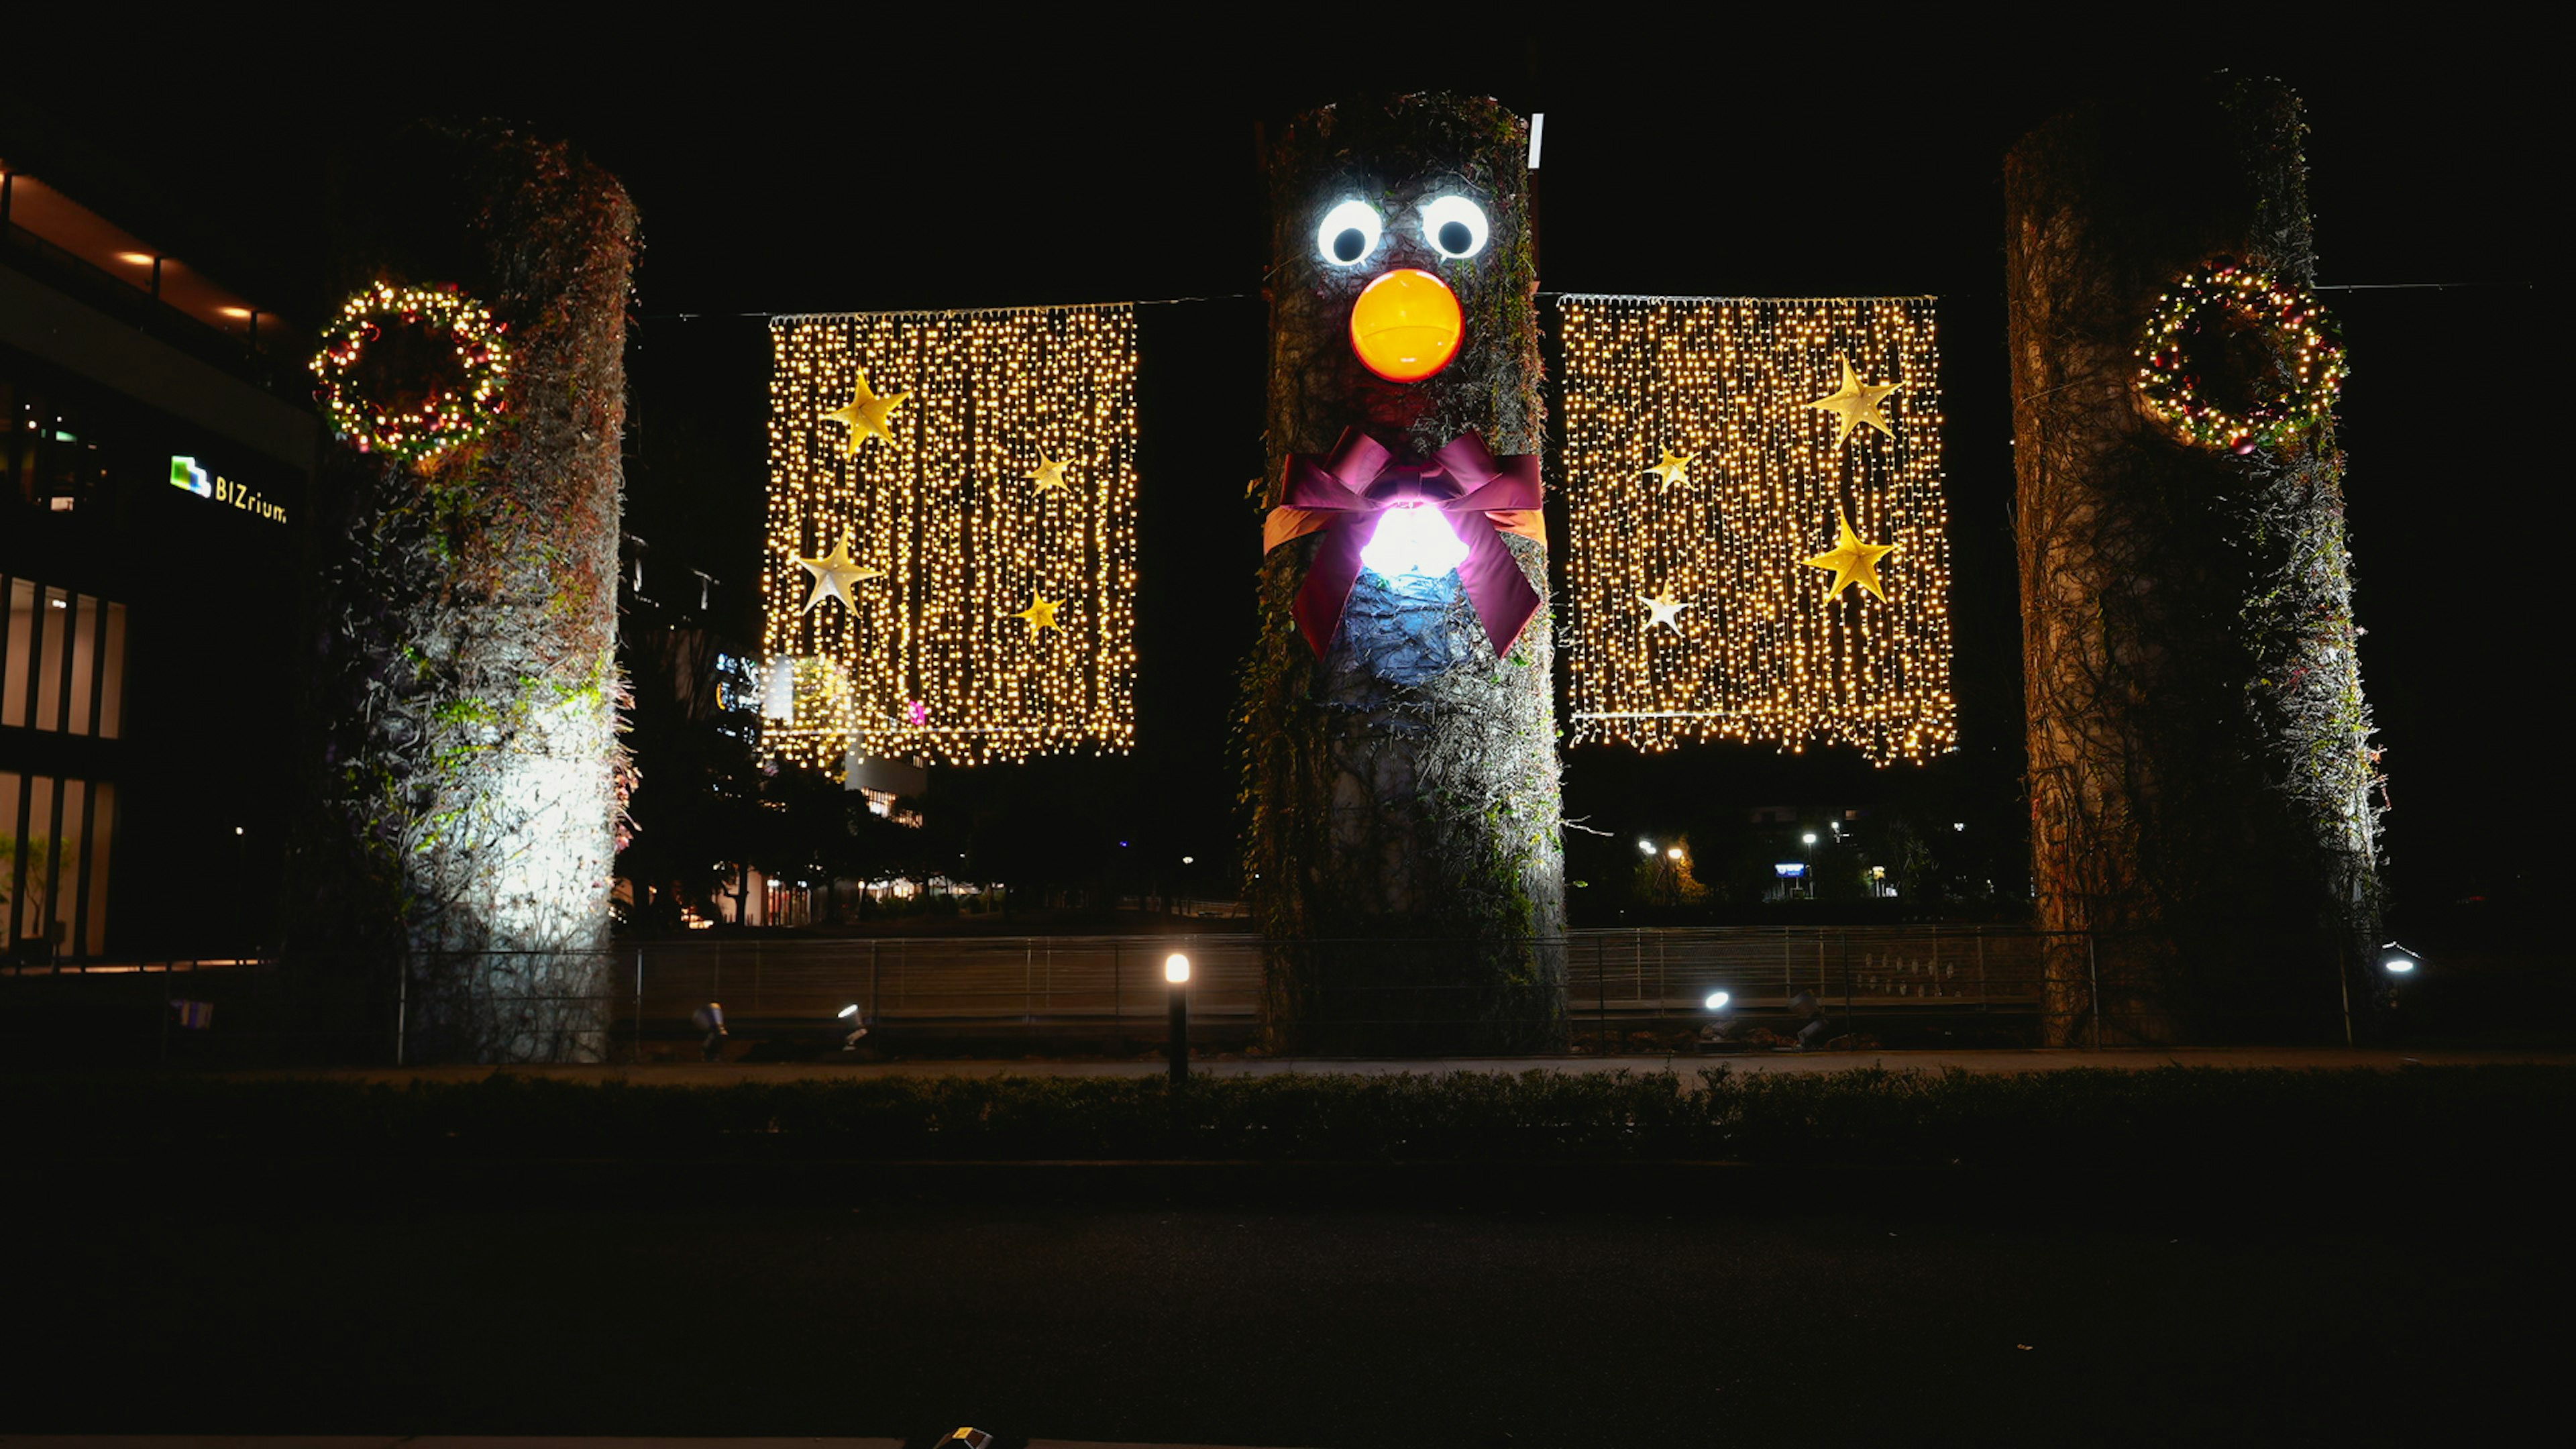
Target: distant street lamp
(1811, 865)
(1176, 971)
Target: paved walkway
(2113, 1058)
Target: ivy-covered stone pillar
(1405, 855)
(465, 606)
(2203, 818)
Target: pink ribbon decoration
(1345, 494)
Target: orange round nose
(1406, 325)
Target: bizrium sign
(184, 473)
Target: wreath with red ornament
(443, 388)
(2234, 357)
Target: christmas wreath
(415, 416)
(2235, 357)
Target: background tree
(2200, 773)
(699, 784)
(1404, 786)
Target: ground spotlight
(2396, 960)
(846, 1012)
(965, 1438)
(1717, 1001)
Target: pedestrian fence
(1645, 971)
(636, 1000)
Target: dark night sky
(842, 164)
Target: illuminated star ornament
(1049, 474)
(865, 414)
(1040, 613)
(1855, 403)
(833, 574)
(915, 713)
(1852, 560)
(1674, 469)
(1663, 609)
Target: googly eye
(1454, 226)
(1349, 233)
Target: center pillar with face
(1405, 855)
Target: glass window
(13, 652)
(62, 661)
(13, 792)
(84, 662)
(35, 859)
(54, 846)
(51, 635)
(111, 682)
(92, 938)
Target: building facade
(153, 472)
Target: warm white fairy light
(1693, 615)
(958, 509)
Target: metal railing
(1642, 971)
(1633, 987)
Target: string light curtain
(1715, 449)
(952, 527)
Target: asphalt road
(1855, 1310)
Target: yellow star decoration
(1852, 560)
(1049, 474)
(1040, 613)
(1663, 609)
(1856, 402)
(866, 414)
(1674, 469)
(833, 574)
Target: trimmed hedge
(2173, 1117)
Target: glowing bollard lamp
(1176, 971)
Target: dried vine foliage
(1404, 789)
(472, 780)
(2201, 770)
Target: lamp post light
(243, 945)
(1176, 971)
(1811, 864)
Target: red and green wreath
(2234, 357)
(441, 386)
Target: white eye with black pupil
(1454, 226)
(1349, 233)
